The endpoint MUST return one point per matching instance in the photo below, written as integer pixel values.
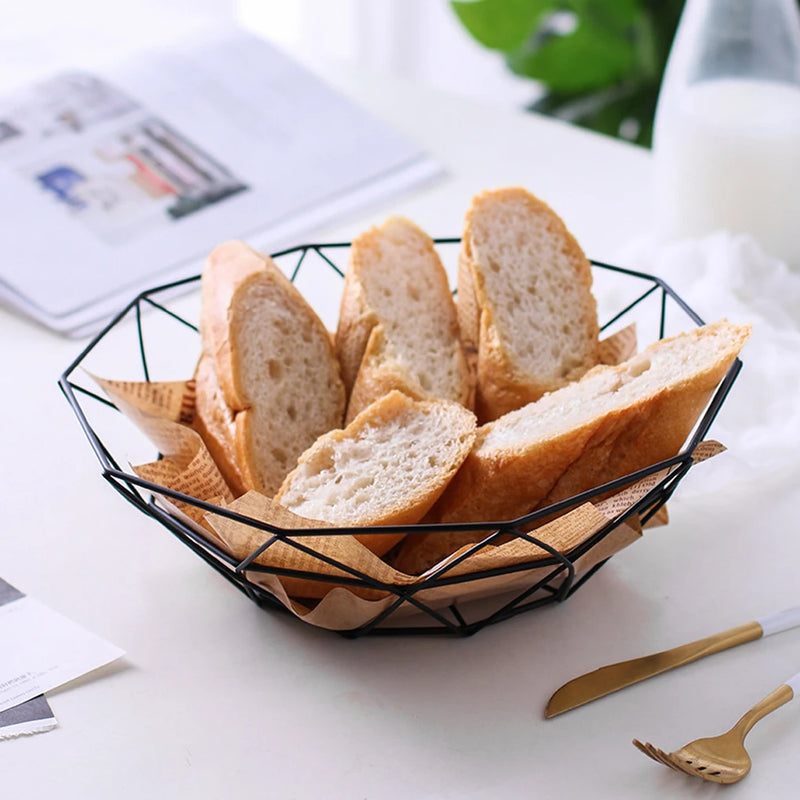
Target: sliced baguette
(215, 422)
(526, 310)
(398, 327)
(387, 467)
(274, 362)
(613, 421)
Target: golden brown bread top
(616, 419)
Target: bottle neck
(756, 39)
(733, 39)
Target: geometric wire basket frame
(156, 322)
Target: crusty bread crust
(529, 458)
(398, 326)
(273, 359)
(387, 467)
(525, 305)
(214, 421)
(533, 463)
(356, 323)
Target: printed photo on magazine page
(120, 182)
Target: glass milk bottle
(726, 137)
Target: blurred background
(596, 63)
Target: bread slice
(525, 306)
(613, 421)
(387, 467)
(398, 327)
(215, 422)
(273, 359)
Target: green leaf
(648, 60)
(664, 16)
(604, 72)
(607, 110)
(501, 24)
(588, 58)
(610, 14)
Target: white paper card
(40, 649)
(34, 716)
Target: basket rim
(127, 483)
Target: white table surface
(218, 698)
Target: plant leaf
(603, 72)
(609, 14)
(501, 24)
(607, 110)
(588, 58)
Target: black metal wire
(296, 270)
(559, 582)
(170, 313)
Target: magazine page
(115, 182)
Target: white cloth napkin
(730, 276)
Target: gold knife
(613, 677)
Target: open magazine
(111, 183)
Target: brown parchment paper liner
(164, 412)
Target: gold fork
(723, 759)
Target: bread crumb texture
(698, 358)
(399, 305)
(532, 285)
(387, 466)
(612, 422)
(275, 362)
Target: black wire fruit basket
(156, 338)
